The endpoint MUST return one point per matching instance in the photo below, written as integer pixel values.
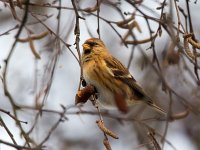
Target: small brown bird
(114, 84)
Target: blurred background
(40, 73)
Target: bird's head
(93, 46)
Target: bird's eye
(87, 51)
(93, 44)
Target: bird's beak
(86, 46)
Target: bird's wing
(119, 71)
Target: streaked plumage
(114, 84)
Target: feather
(120, 72)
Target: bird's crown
(94, 41)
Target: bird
(114, 84)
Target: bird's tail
(158, 109)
